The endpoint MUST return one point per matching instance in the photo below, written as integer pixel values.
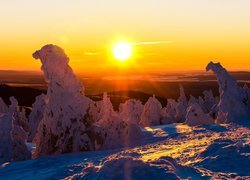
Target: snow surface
(174, 151)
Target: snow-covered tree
(151, 114)
(208, 103)
(182, 98)
(231, 106)
(36, 115)
(196, 116)
(20, 118)
(171, 108)
(175, 111)
(246, 99)
(209, 100)
(12, 140)
(107, 109)
(131, 111)
(3, 107)
(181, 106)
(168, 113)
(62, 127)
(111, 131)
(192, 100)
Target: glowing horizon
(167, 36)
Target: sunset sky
(166, 35)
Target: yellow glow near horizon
(122, 51)
(87, 31)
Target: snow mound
(127, 167)
(230, 156)
(203, 152)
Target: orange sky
(198, 31)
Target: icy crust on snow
(226, 152)
(228, 156)
(128, 167)
(204, 152)
(62, 126)
(231, 106)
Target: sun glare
(122, 51)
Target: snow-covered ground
(166, 152)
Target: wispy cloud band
(134, 43)
(92, 53)
(152, 42)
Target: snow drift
(127, 167)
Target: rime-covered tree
(62, 127)
(231, 106)
(181, 106)
(3, 107)
(36, 115)
(130, 111)
(111, 131)
(20, 118)
(151, 114)
(12, 140)
(196, 116)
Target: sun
(122, 51)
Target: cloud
(152, 42)
(134, 43)
(92, 53)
